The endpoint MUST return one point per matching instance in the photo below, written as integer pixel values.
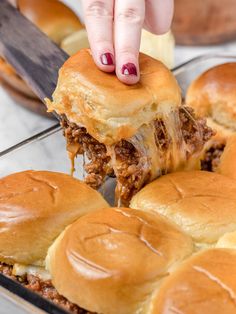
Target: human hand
(114, 31)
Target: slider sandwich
(135, 133)
(112, 261)
(213, 96)
(204, 284)
(201, 203)
(35, 207)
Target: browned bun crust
(202, 203)
(110, 261)
(213, 95)
(35, 207)
(109, 109)
(204, 284)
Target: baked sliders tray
(47, 151)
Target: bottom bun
(204, 284)
(112, 260)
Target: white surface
(17, 123)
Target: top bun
(35, 207)
(202, 203)
(53, 17)
(204, 284)
(110, 261)
(109, 109)
(213, 95)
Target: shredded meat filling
(130, 170)
(99, 165)
(194, 130)
(212, 157)
(44, 288)
(130, 162)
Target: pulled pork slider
(35, 207)
(202, 203)
(213, 95)
(205, 283)
(135, 132)
(112, 260)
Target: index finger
(129, 18)
(99, 24)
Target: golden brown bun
(53, 17)
(227, 165)
(202, 203)
(110, 261)
(204, 284)
(109, 109)
(213, 95)
(35, 207)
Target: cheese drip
(154, 159)
(21, 270)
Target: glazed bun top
(109, 109)
(213, 94)
(35, 207)
(202, 203)
(110, 261)
(205, 283)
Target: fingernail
(107, 59)
(129, 69)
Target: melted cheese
(155, 161)
(21, 270)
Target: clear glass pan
(46, 150)
(17, 123)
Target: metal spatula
(34, 56)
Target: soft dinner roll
(111, 260)
(53, 17)
(109, 109)
(227, 162)
(213, 95)
(204, 284)
(202, 203)
(35, 207)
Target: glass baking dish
(18, 123)
(46, 151)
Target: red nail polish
(129, 69)
(107, 59)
